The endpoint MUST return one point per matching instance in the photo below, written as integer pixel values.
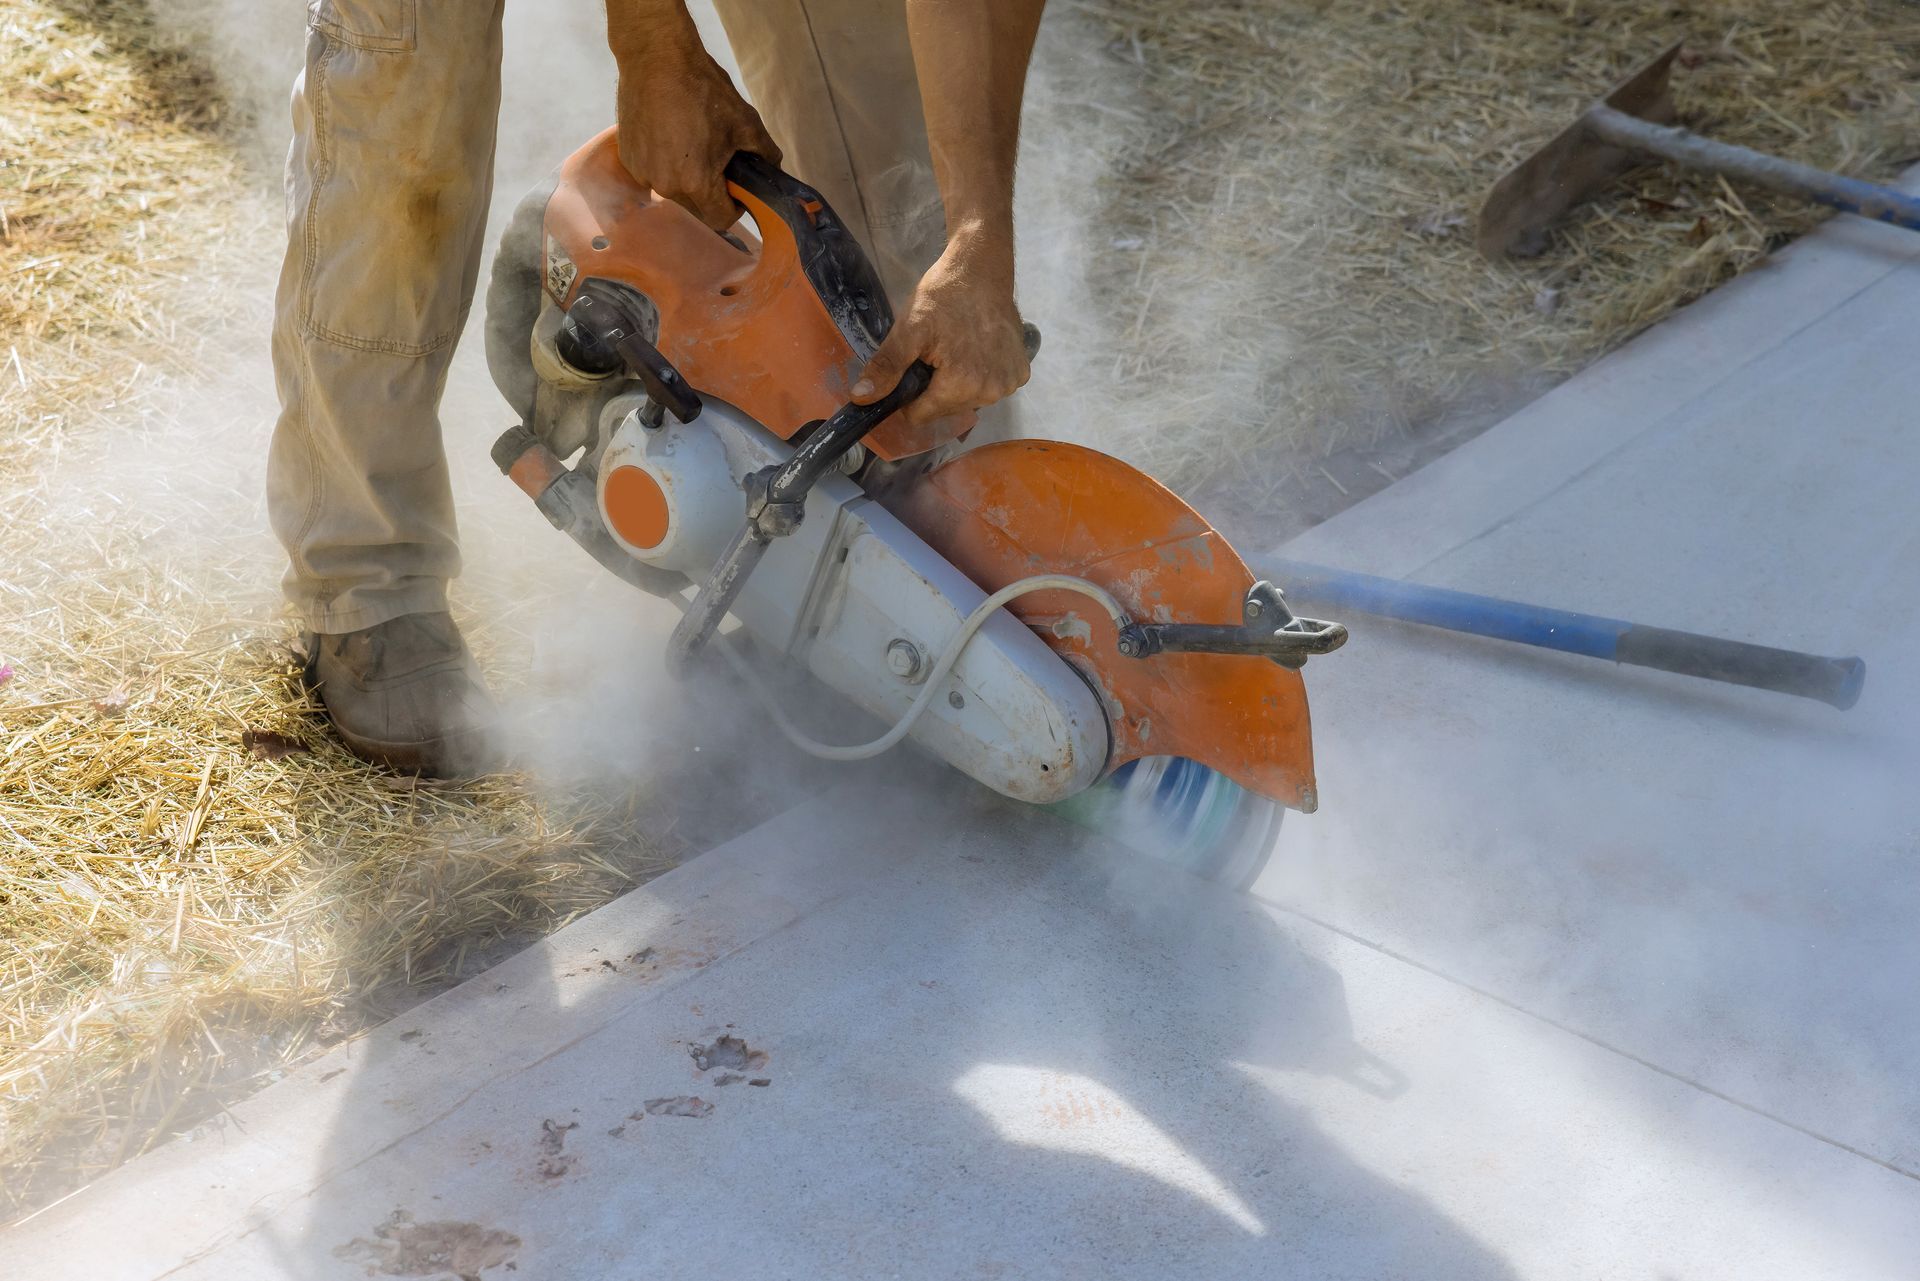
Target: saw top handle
(793, 217)
(795, 220)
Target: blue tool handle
(1834, 681)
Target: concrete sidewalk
(1580, 971)
(1716, 879)
(988, 1052)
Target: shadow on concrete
(991, 1054)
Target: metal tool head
(1570, 169)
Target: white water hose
(949, 656)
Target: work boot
(406, 694)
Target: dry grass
(197, 886)
(1285, 193)
(112, 178)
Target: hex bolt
(1255, 609)
(905, 660)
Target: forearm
(680, 118)
(971, 57)
(640, 30)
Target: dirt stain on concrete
(400, 1247)
(728, 1052)
(555, 1162)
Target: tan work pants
(388, 183)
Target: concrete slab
(991, 1052)
(1717, 880)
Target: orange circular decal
(636, 507)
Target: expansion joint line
(1885, 1164)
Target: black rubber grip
(1030, 338)
(1834, 681)
(842, 276)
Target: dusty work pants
(388, 183)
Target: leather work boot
(406, 694)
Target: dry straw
(1281, 244)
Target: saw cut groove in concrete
(1590, 1039)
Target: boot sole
(459, 756)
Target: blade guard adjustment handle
(1271, 630)
(608, 316)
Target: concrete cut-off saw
(1042, 617)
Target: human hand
(963, 322)
(681, 120)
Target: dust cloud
(588, 697)
(1076, 259)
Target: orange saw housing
(743, 320)
(1021, 507)
(742, 324)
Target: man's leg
(834, 81)
(387, 186)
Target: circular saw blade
(1185, 813)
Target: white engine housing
(690, 467)
(850, 590)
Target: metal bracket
(1270, 630)
(776, 504)
(777, 500)
(612, 319)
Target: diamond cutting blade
(1175, 809)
